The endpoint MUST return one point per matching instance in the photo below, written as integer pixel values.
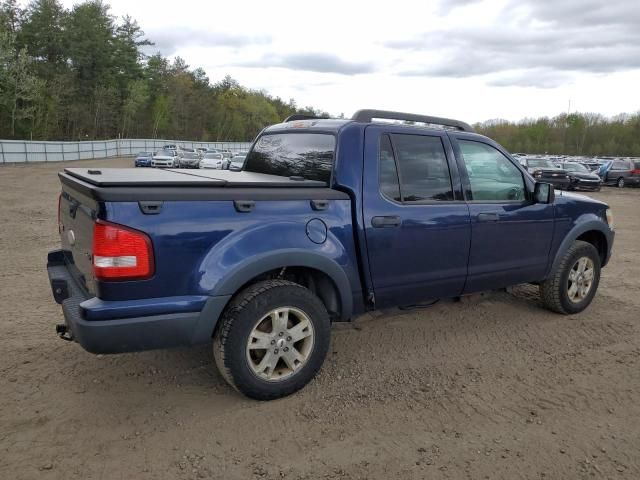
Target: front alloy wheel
(580, 279)
(574, 281)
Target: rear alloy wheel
(620, 182)
(573, 284)
(280, 343)
(272, 339)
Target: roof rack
(302, 116)
(367, 116)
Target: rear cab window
(308, 155)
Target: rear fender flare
(290, 257)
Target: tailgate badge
(71, 237)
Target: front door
(511, 235)
(416, 222)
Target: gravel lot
(490, 387)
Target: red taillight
(636, 172)
(121, 253)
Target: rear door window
(308, 155)
(423, 169)
(389, 183)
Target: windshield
(190, 155)
(144, 154)
(217, 156)
(166, 153)
(540, 163)
(575, 167)
(309, 155)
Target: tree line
(588, 134)
(79, 73)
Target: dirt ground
(490, 387)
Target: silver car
(189, 160)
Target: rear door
(416, 222)
(511, 236)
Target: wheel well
(315, 280)
(598, 240)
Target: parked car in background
(212, 160)
(165, 159)
(189, 160)
(143, 159)
(236, 163)
(201, 151)
(580, 178)
(543, 170)
(621, 173)
(171, 146)
(226, 153)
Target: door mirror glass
(543, 193)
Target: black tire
(239, 319)
(620, 182)
(553, 291)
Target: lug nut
(273, 342)
(275, 351)
(288, 339)
(286, 349)
(280, 334)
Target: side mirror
(543, 193)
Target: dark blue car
(329, 218)
(143, 159)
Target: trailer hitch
(64, 333)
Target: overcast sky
(469, 59)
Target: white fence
(22, 151)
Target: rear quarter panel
(199, 245)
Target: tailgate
(77, 217)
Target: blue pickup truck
(328, 218)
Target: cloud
(546, 40)
(169, 41)
(446, 6)
(312, 62)
(530, 78)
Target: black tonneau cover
(148, 177)
(142, 184)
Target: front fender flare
(575, 232)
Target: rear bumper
(632, 180)
(132, 332)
